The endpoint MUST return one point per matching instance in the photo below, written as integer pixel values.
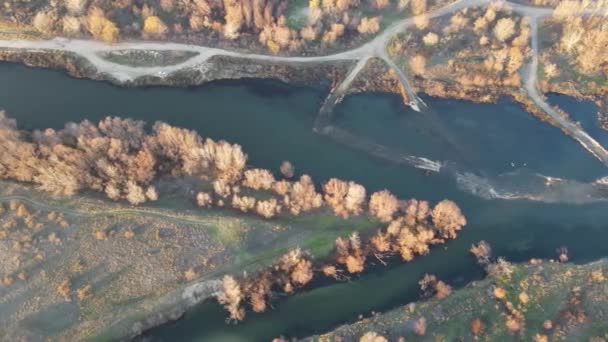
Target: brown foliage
(420, 326)
(101, 27)
(45, 21)
(231, 296)
(155, 27)
(203, 199)
(418, 64)
(350, 253)
(482, 251)
(234, 18)
(302, 196)
(380, 242)
(243, 203)
(513, 324)
(258, 290)
(84, 292)
(447, 218)
(115, 157)
(344, 198)
(64, 288)
(372, 336)
(298, 266)
(281, 187)
(418, 6)
(330, 271)
(268, 208)
(293, 270)
(369, 25)
(477, 327)
(504, 29)
(383, 205)
(258, 179)
(432, 287)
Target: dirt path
(530, 85)
(92, 50)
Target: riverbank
(534, 301)
(331, 73)
(84, 268)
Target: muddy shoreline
(375, 77)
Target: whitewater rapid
(524, 184)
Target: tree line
(119, 158)
(277, 25)
(412, 228)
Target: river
(524, 186)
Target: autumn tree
(418, 6)
(45, 21)
(433, 287)
(287, 169)
(504, 29)
(419, 326)
(268, 208)
(550, 70)
(477, 327)
(258, 289)
(243, 203)
(135, 193)
(308, 33)
(369, 25)
(345, 198)
(482, 251)
(71, 25)
(258, 179)
(335, 31)
(372, 336)
(350, 253)
(418, 64)
(383, 205)
(380, 4)
(297, 266)
(203, 199)
(234, 18)
(101, 27)
(155, 27)
(302, 196)
(76, 7)
(447, 219)
(430, 39)
(231, 297)
(416, 212)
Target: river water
(524, 186)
